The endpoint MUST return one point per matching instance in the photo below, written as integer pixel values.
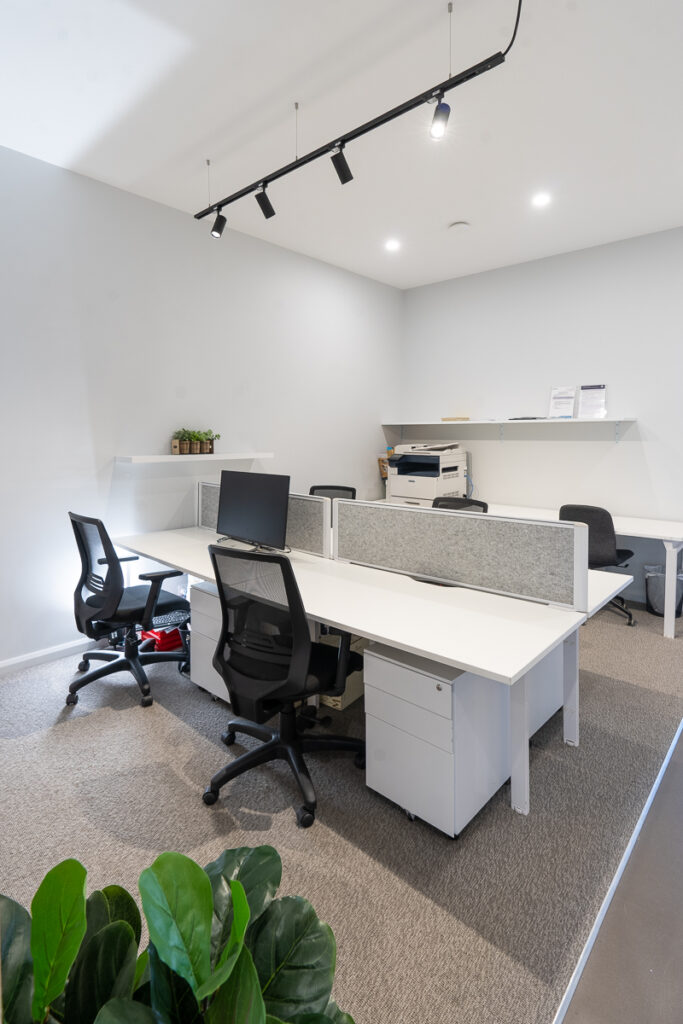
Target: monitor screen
(252, 507)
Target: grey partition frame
(533, 559)
(308, 519)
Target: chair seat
(133, 602)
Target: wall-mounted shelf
(186, 459)
(451, 425)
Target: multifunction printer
(418, 473)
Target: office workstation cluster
(471, 621)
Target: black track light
(218, 225)
(264, 202)
(440, 119)
(340, 165)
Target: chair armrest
(155, 579)
(122, 558)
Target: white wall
(492, 346)
(122, 320)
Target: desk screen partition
(252, 507)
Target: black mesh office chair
(461, 504)
(602, 544)
(103, 606)
(269, 663)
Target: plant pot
(205, 447)
(175, 446)
(184, 447)
(194, 447)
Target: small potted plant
(180, 442)
(195, 441)
(208, 437)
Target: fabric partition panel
(308, 519)
(542, 561)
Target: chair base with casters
(620, 605)
(284, 743)
(133, 658)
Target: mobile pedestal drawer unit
(205, 610)
(436, 737)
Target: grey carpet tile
(486, 928)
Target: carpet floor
(485, 929)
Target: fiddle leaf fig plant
(223, 948)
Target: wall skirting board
(47, 654)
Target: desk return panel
(514, 557)
(308, 519)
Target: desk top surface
(493, 636)
(625, 526)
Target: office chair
(461, 504)
(602, 544)
(103, 607)
(333, 490)
(269, 663)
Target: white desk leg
(519, 746)
(570, 654)
(672, 549)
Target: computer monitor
(252, 507)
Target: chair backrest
(333, 491)
(264, 648)
(461, 504)
(100, 587)
(602, 541)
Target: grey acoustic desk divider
(541, 561)
(308, 519)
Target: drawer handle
(439, 686)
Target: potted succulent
(195, 441)
(180, 442)
(222, 948)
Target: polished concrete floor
(634, 973)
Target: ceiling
(586, 107)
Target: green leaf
(176, 899)
(122, 907)
(295, 957)
(259, 869)
(105, 971)
(141, 970)
(170, 995)
(239, 1000)
(273, 1020)
(234, 945)
(57, 929)
(336, 1015)
(126, 1011)
(17, 965)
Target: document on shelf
(562, 403)
(592, 401)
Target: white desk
(668, 531)
(484, 634)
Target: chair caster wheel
(359, 760)
(184, 668)
(72, 698)
(305, 817)
(82, 666)
(631, 623)
(229, 738)
(147, 701)
(209, 796)
(325, 721)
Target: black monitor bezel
(277, 481)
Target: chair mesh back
(264, 638)
(100, 587)
(333, 491)
(461, 503)
(602, 541)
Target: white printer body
(418, 473)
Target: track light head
(264, 202)
(340, 165)
(218, 225)
(440, 119)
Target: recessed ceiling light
(541, 199)
(392, 245)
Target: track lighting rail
(337, 144)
